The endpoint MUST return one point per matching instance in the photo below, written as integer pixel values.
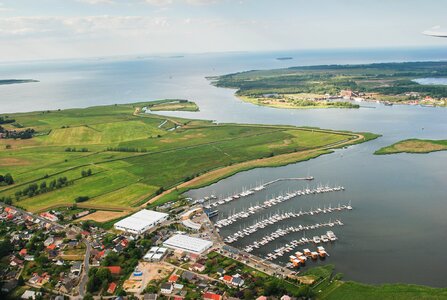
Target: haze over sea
(397, 230)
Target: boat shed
(140, 222)
(188, 243)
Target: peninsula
(119, 158)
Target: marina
(275, 201)
(279, 252)
(263, 223)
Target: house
(150, 297)
(261, 298)
(166, 288)
(220, 271)
(285, 297)
(112, 287)
(23, 252)
(178, 286)
(198, 267)
(16, 262)
(212, 296)
(28, 294)
(76, 268)
(115, 270)
(29, 257)
(67, 285)
(51, 247)
(48, 241)
(173, 278)
(237, 281)
(188, 276)
(227, 279)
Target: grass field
(340, 290)
(133, 157)
(414, 146)
(173, 105)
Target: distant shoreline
(16, 81)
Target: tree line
(69, 149)
(125, 149)
(34, 189)
(15, 134)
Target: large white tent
(188, 243)
(141, 221)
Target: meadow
(133, 157)
(414, 146)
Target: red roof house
(112, 287)
(173, 278)
(115, 270)
(211, 296)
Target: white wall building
(140, 222)
(188, 243)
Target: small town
(147, 255)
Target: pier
(248, 192)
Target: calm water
(397, 231)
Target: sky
(54, 29)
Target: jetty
(244, 193)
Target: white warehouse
(188, 243)
(140, 222)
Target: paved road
(84, 276)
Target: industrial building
(141, 221)
(188, 243)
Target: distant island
(284, 58)
(171, 105)
(414, 146)
(340, 85)
(16, 81)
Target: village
(147, 255)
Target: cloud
(189, 2)
(72, 27)
(93, 2)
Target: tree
(8, 179)
(88, 296)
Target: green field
(340, 290)
(329, 287)
(132, 156)
(414, 146)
